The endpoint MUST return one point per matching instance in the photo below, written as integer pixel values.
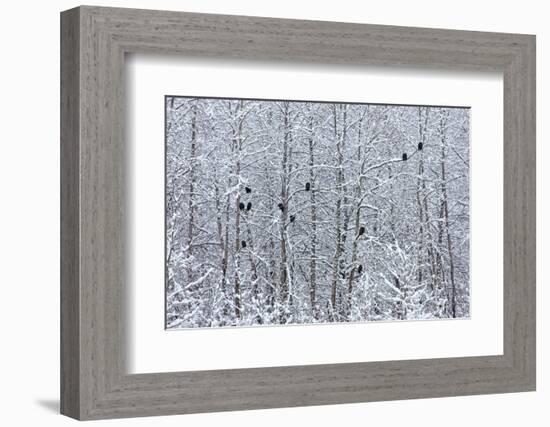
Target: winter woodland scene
(287, 212)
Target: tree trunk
(337, 261)
(425, 236)
(238, 145)
(313, 220)
(358, 197)
(446, 215)
(192, 179)
(283, 266)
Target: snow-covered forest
(283, 212)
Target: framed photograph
(261, 213)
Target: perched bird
(243, 244)
(361, 231)
(281, 207)
(241, 206)
(308, 186)
(248, 189)
(249, 206)
(360, 269)
(420, 146)
(404, 157)
(292, 218)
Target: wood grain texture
(94, 382)
(70, 314)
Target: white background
(29, 225)
(152, 349)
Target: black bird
(420, 146)
(249, 206)
(308, 186)
(361, 231)
(292, 218)
(241, 206)
(281, 207)
(248, 189)
(243, 244)
(360, 269)
(404, 157)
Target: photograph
(272, 208)
(291, 212)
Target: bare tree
(283, 212)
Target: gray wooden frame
(94, 41)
